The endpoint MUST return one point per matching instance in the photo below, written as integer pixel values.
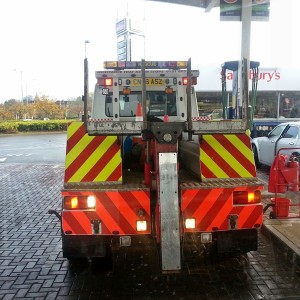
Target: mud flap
(241, 241)
(80, 246)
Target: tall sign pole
(243, 92)
(86, 86)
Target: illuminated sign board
(121, 26)
(231, 10)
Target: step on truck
(144, 164)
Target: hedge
(33, 126)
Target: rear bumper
(242, 241)
(231, 241)
(83, 246)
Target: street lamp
(85, 42)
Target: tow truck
(145, 165)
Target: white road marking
(3, 159)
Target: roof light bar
(148, 65)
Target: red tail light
(105, 81)
(245, 197)
(185, 80)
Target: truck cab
(118, 93)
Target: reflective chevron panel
(212, 208)
(226, 156)
(91, 158)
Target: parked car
(284, 135)
(216, 114)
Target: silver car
(284, 135)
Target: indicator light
(245, 197)
(168, 90)
(79, 202)
(74, 202)
(126, 91)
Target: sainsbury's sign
(269, 79)
(268, 75)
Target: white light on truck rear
(91, 201)
(141, 225)
(190, 223)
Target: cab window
(161, 104)
(127, 103)
(158, 103)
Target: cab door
(267, 145)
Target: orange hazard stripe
(72, 223)
(118, 212)
(211, 208)
(226, 156)
(117, 221)
(248, 215)
(91, 158)
(218, 211)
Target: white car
(284, 135)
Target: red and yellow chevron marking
(117, 211)
(226, 156)
(91, 158)
(211, 208)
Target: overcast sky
(42, 41)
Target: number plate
(149, 82)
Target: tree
(46, 108)
(5, 114)
(76, 106)
(15, 109)
(43, 107)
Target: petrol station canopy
(207, 4)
